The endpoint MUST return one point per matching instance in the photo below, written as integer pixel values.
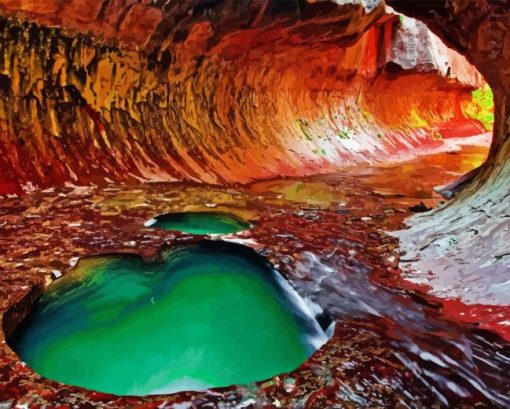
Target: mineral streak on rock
(218, 92)
(130, 21)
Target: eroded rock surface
(219, 92)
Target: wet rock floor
(393, 345)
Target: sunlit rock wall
(178, 92)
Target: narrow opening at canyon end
(206, 315)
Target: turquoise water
(200, 222)
(210, 314)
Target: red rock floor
(326, 235)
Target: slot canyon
(254, 203)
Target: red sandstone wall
(262, 102)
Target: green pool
(199, 222)
(206, 315)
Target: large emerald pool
(205, 315)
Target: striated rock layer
(217, 92)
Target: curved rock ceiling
(219, 91)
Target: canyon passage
(277, 203)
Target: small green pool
(206, 315)
(199, 222)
